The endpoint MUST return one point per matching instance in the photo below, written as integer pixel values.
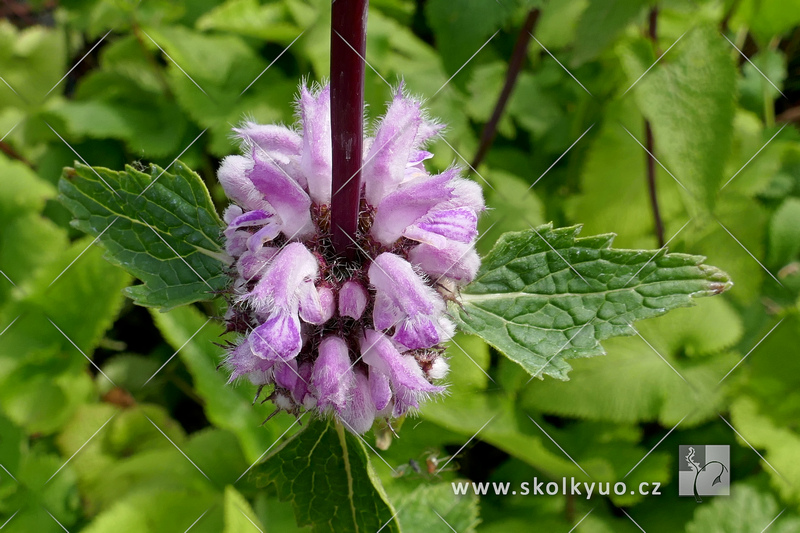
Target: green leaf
(528, 302)
(160, 510)
(507, 194)
(495, 419)
(745, 510)
(225, 406)
(325, 472)
(756, 428)
(689, 99)
(239, 516)
(601, 23)
(161, 227)
(33, 61)
(461, 32)
(614, 195)
(247, 17)
(436, 509)
(632, 384)
(22, 191)
(784, 233)
(43, 377)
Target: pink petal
(284, 194)
(352, 299)
(359, 413)
(457, 261)
(379, 389)
(315, 114)
(278, 338)
(390, 151)
(332, 376)
(233, 175)
(409, 203)
(280, 285)
(279, 142)
(399, 292)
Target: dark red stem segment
(348, 45)
(652, 32)
(514, 67)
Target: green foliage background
(89, 442)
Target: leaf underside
(544, 296)
(160, 227)
(324, 471)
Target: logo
(704, 471)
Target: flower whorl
(361, 339)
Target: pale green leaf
(161, 227)
(784, 233)
(43, 376)
(21, 190)
(514, 207)
(601, 23)
(614, 194)
(744, 511)
(545, 296)
(689, 99)
(239, 516)
(325, 472)
(461, 32)
(33, 60)
(780, 445)
(225, 406)
(436, 509)
(247, 17)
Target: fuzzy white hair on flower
(361, 339)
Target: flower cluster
(360, 339)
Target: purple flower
(357, 340)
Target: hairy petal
(406, 377)
(289, 273)
(353, 298)
(280, 142)
(391, 149)
(284, 194)
(332, 376)
(278, 338)
(359, 413)
(315, 114)
(233, 175)
(410, 202)
(457, 261)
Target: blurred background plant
(114, 418)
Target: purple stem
(652, 32)
(348, 45)
(514, 67)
